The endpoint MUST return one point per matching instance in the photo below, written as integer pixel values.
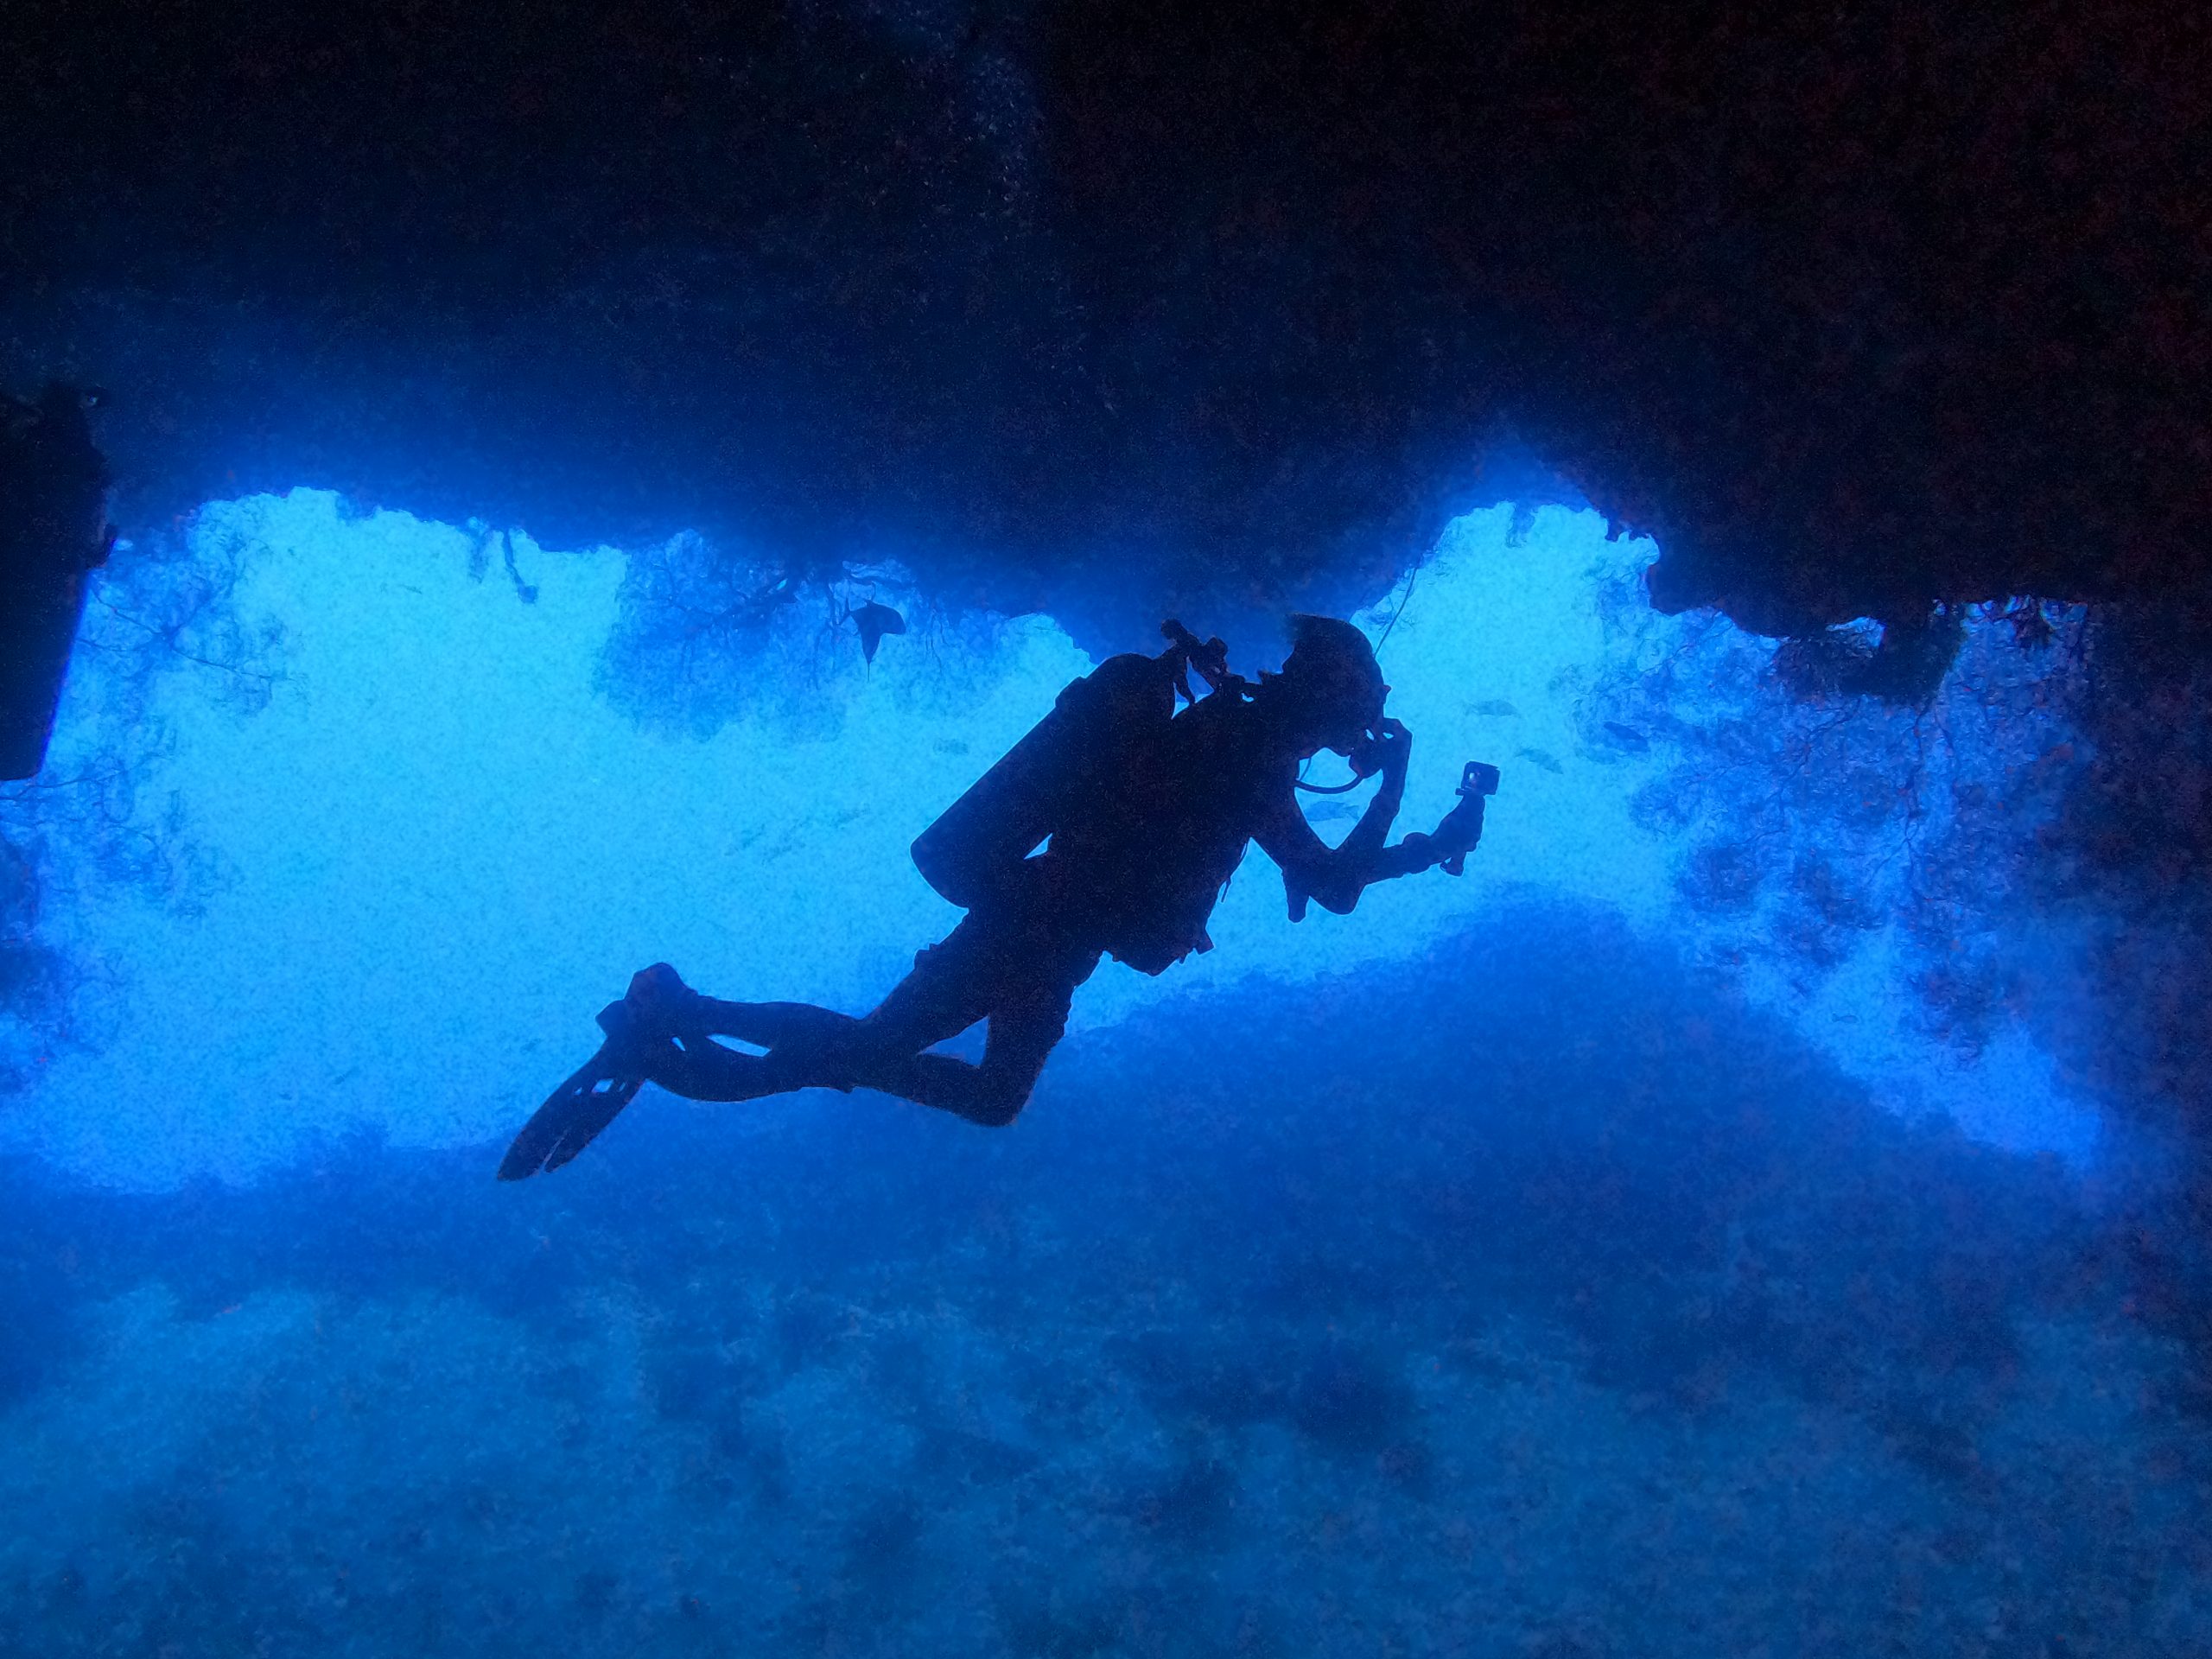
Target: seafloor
(1531, 1298)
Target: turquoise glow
(1651, 1241)
(442, 847)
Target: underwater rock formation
(1855, 313)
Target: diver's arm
(1337, 875)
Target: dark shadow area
(2129, 862)
(1064, 303)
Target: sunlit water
(1619, 1248)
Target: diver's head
(1330, 689)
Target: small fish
(1549, 763)
(875, 620)
(1496, 707)
(1325, 812)
(1628, 737)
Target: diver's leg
(670, 1028)
(698, 1068)
(660, 1032)
(664, 1030)
(774, 1024)
(1023, 1032)
(1024, 985)
(660, 1004)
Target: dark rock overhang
(1144, 304)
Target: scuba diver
(1147, 811)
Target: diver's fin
(575, 1112)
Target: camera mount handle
(1477, 779)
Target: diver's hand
(1460, 834)
(1387, 750)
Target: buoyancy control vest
(1096, 729)
(1105, 730)
(1148, 858)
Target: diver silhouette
(1147, 811)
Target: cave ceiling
(1114, 307)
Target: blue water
(1694, 1230)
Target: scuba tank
(977, 846)
(53, 532)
